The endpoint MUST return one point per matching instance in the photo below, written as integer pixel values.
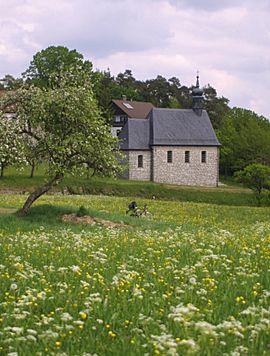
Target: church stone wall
(139, 173)
(178, 172)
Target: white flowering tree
(12, 150)
(66, 129)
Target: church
(172, 146)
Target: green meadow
(193, 279)
(231, 193)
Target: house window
(203, 157)
(140, 161)
(187, 156)
(169, 156)
(118, 132)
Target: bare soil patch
(73, 218)
(7, 210)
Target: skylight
(127, 105)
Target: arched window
(140, 161)
(169, 156)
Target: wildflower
(206, 328)
(13, 286)
(83, 315)
(240, 300)
(66, 317)
(75, 269)
(57, 343)
(111, 334)
(190, 343)
(192, 280)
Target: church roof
(169, 127)
(135, 135)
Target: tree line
(244, 135)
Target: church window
(203, 157)
(187, 156)
(140, 161)
(169, 156)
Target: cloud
(96, 29)
(207, 5)
(228, 41)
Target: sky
(227, 41)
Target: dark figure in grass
(132, 207)
(134, 210)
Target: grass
(232, 195)
(48, 210)
(159, 287)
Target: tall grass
(192, 281)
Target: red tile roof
(134, 109)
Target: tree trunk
(37, 193)
(88, 170)
(33, 166)
(2, 170)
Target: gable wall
(194, 173)
(136, 173)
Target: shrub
(82, 211)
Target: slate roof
(135, 135)
(139, 109)
(168, 127)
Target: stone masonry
(194, 173)
(136, 173)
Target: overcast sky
(228, 41)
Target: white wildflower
(75, 269)
(190, 343)
(206, 328)
(66, 317)
(192, 280)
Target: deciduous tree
(256, 176)
(11, 144)
(66, 126)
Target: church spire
(197, 97)
(197, 81)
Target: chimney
(197, 98)
(124, 97)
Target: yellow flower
(83, 315)
(57, 343)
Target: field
(193, 280)
(232, 194)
